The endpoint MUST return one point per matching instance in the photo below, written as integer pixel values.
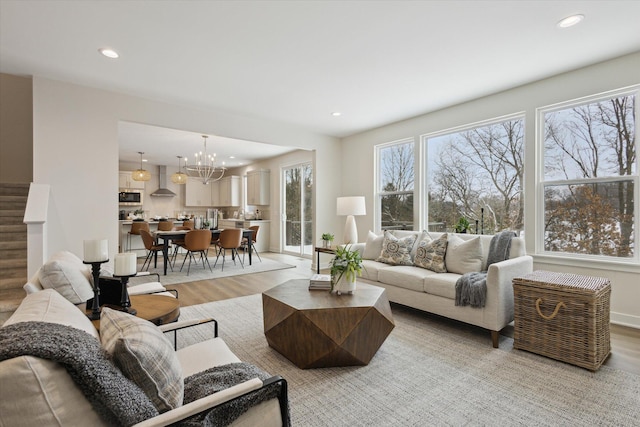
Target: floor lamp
(351, 206)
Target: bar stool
(136, 226)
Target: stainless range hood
(163, 191)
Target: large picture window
(395, 186)
(590, 177)
(476, 174)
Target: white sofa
(66, 273)
(434, 292)
(36, 391)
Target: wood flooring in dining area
(625, 341)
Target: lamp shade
(351, 206)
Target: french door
(297, 227)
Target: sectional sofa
(434, 291)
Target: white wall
(621, 72)
(75, 145)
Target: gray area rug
(430, 372)
(199, 273)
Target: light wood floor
(625, 342)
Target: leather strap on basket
(555, 312)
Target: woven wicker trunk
(563, 316)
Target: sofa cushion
(463, 256)
(49, 306)
(370, 269)
(404, 276)
(442, 285)
(419, 235)
(144, 355)
(373, 246)
(66, 273)
(396, 251)
(431, 253)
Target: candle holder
(125, 303)
(95, 272)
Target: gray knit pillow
(144, 356)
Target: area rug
(198, 273)
(429, 372)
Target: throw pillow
(144, 356)
(463, 256)
(419, 235)
(396, 251)
(373, 246)
(68, 278)
(430, 254)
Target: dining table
(168, 236)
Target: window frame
(542, 184)
(424, 141)
(378, 193)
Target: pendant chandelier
(204, 166)
(140, 174)
(179, 177)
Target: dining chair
(188, 223)
(250, 244)
(230, 238)
(165, 226)
(136, 226)
(179, 243)
(152, 248)
(197, 241)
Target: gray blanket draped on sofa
(471, 288)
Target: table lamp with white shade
(350, 206)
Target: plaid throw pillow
(144, 356)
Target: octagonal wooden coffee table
(316, 329)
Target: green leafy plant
(346, 262)
(328, 237)
(462, 225)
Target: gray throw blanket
(114, 397)
(219, 378)
(471, 288)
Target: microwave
(130, 198)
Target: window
(590, 177)
(395, 185)
(477, 173)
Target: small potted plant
(327, 238)
(345, 267)
(462, 226)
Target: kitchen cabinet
(258, 187)
(125, 181)
(197, 193)
(229, 191)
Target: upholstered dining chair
(179, 243)
(136, 226)
(250, 244)
(188, 223)
(165, 226)
(230, 238)
(197, 241)
(152, 248)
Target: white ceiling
(376, 62)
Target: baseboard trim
(625, 320)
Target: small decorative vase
(325, 244)
(345, 286)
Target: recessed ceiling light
(570, 21)
(232, 157)
(336, 114)
(109, 53)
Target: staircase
(13, 247)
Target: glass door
(297, 227)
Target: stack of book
(320, 281)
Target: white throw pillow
(144, 356)
(431, 253)
(373, 246)
(69, 278)
(463, 256)
(396, 251)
